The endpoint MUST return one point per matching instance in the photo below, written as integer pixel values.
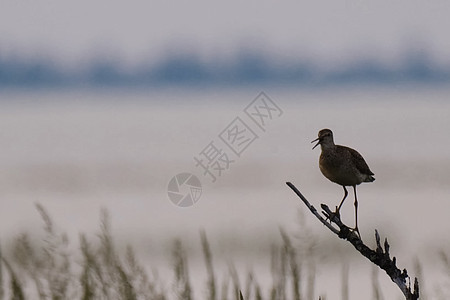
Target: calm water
(77, 152)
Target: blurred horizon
(204, 44)
(247, 67)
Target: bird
(342, 165)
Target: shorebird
(342, 165)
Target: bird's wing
(360, 163)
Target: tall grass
(182, 286)
(47, 269)
(51, 268)
(211, 283)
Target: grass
(49, 268)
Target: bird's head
(325, 138)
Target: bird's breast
(336, 169)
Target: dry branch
(379, 256)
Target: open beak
(318, 143)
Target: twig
(379, 256)
(312, 209)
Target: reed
(46, 268)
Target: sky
(333, 32)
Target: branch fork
(380, 256)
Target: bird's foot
(356, 230)
(334, 214)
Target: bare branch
(379, 256)
(312, 209)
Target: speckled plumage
(342, 165)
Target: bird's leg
(338, 208)
(342, 201)
(356, 212)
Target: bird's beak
(318, 143)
